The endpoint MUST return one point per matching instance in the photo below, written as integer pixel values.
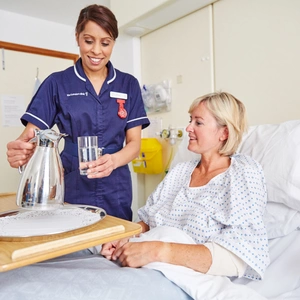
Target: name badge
(118, 95)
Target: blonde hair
(228, 111)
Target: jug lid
(48, 137)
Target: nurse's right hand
(20, 151)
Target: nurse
(90, 98)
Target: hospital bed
(85, 276)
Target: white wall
(20, 29)
(126, 55)
(17, 83)
(182, 53)
(257, 46)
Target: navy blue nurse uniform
(68, 99)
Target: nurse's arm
(20, 151)
(131, 149)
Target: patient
(217, 200)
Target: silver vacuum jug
(42, 183)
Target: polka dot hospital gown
(228, 210)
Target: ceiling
(61, 11)
(67, 11)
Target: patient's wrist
(163, 252)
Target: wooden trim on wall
(41, 51)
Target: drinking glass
(87, 151)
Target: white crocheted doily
(36, 222)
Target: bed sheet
(85, 276)
(282, 277)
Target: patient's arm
(209, 258)
(138, 254)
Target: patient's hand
(138, 254)
(108, 249)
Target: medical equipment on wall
(172, 134)
(157, 97)
(150, 159)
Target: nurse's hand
(20, 151)
(102, 167)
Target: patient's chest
(193, 211)
(202, 212)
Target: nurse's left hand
(102, 167)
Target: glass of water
(87, 151)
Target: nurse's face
(95, 46)
(206, 137)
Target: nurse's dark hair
(101, 15)
(229, 112)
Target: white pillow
(277, 149)
(280, 220)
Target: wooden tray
(18, 254)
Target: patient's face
(206, 137)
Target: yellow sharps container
(150, 159)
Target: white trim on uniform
(114, 77)
(136, 119)
(77, 74)
(27, 113)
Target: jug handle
(22, 168)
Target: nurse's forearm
(131, 150)
(126, 154)
(19, 151)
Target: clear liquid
(85, 155)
